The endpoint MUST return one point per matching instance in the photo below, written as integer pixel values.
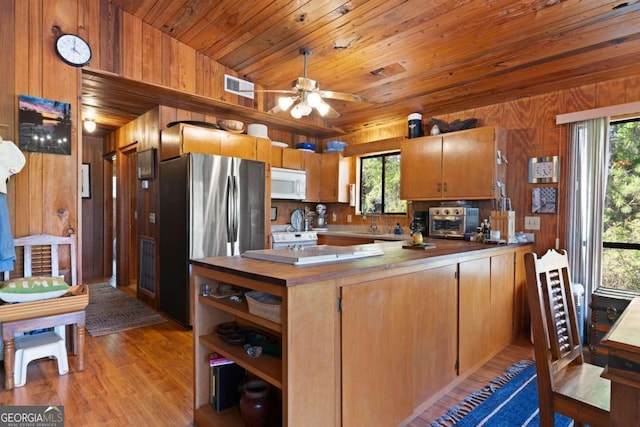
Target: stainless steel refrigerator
(209, 206)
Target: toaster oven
(453, 222)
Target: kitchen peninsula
(371, 341)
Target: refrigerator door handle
(229, 197)
(236, 213)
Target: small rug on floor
(510, 400)
(110, 310)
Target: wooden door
(502, 292)
(468, 164)
(127, 243)
(420, 168)
(292, 159)
(334, 178)
(312, 166)
(398, 345)
(241, 146)
(474, 284)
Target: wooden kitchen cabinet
(474, 283)
(288, 158)
(456, 165)
(380, 361)
(334, 178)
(312, 165)
(502, 300)
(184, 138)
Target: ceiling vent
(235, 85)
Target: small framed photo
(274, 213)
(147, 164)
(86, 181)
(543, 200)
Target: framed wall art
(86, 181)
(45, 125)
(147, 164)
(543, 200)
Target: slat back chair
(566, 383)
(39, 255)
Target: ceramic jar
(254, 403)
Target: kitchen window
(621, 219)
(380, 184)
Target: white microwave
(288, 184)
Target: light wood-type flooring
(144, 377)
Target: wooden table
(9, 329)
(623, 367)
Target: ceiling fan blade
(331, 113)
(343, 96)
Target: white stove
(293, 239)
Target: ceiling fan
(305, 95)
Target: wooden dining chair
(566, 383)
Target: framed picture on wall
(543, 200)
(86, 181)
(147, 164)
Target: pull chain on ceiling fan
(307, 96)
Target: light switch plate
(532, 223)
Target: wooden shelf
(267, 367)
(144, 96)
(240, 309)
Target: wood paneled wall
(44, 197)
(532, 132)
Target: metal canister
(415, 125)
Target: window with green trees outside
(621, 228)
(380, 184)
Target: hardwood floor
(144, 377)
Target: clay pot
(254, 403)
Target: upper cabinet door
(468, 165)
(421, 168)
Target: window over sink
(379, 184)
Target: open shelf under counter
(240, 309)
(269, 368)
(205, 415)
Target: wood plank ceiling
(406, 56)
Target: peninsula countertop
(395, 256)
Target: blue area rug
(510, 400)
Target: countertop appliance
(209, 206)
(419, 222)
(288, 184)
(293, 239)
(315, 254)
(453, 221)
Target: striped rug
(510, 400)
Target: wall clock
(73, 50)
(544, 169)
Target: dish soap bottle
(397, 229)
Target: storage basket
(264, 305)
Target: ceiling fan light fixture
(314, 99)
(284, 102)
(323, 108)
(300, 110)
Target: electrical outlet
(152, 218)
(532, 223)
(349, 219)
